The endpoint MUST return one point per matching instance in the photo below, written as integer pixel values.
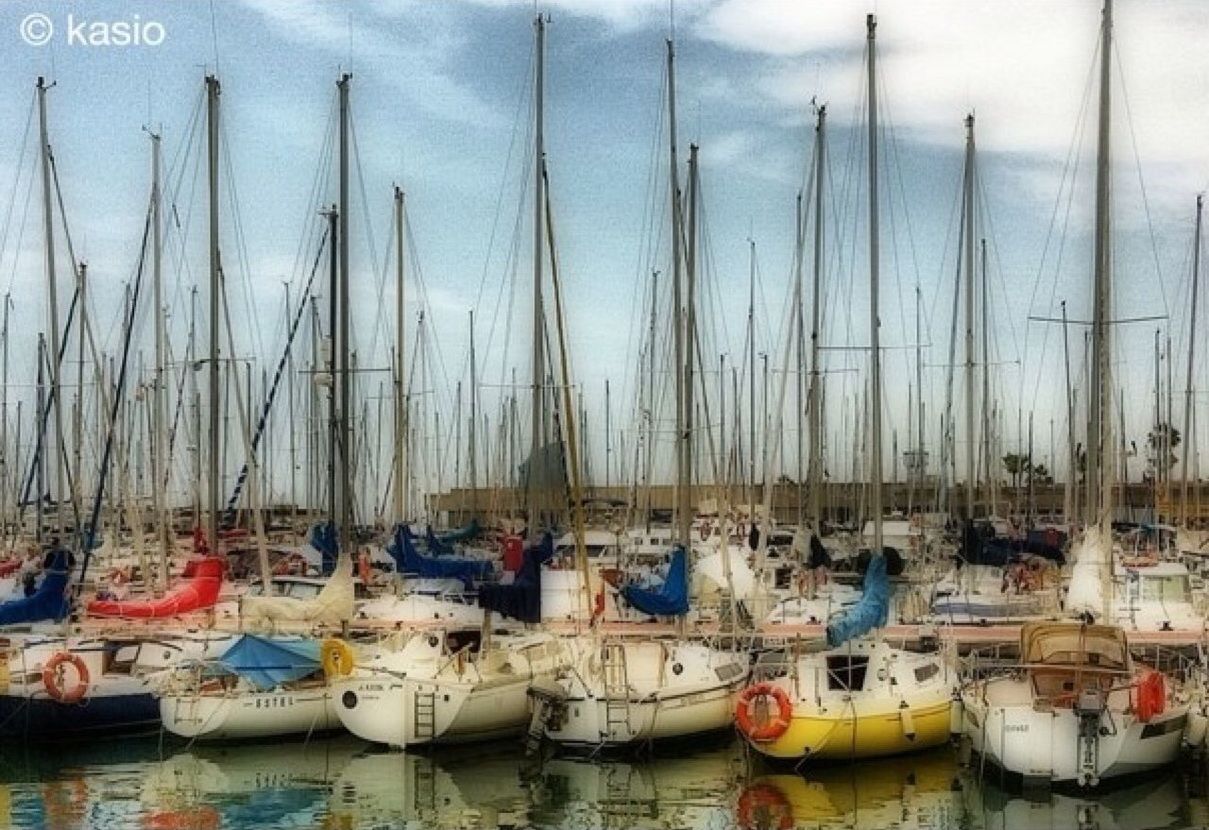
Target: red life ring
(772, 727)
(764, 805)
(52, 678)
(1151, 696)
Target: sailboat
(1078, 709)
(860, 697)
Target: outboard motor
(1089, 709)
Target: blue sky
(440, 101)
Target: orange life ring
(772, 727)
(52, 678)
(1144, 561)
(764, 805)
(1151, 696)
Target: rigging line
(29, 191)
(1133, 137)
(87, 540)
(241, 248)
(893, 164)
(12, 201)
(521, 96)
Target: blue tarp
(49, 602)
(671, 598)
(268, 663)
(409, 560)
(522, 600)
(867, 614)
(324, 539)
(436, 547)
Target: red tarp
(10, 567)
(198, 592)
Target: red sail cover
(199, 591)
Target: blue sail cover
(267, 663)
(522, 600)
(436, 546)
(670, 598)
(867, 614)
(324, 539)
(49, 602)
(409, 560)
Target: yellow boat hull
(832, 732)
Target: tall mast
(400, 472)
(690, 336)
(158, 443)
(215, 495)
(52, 445)
(1189, 433)
(988, 431)
(1068, 501)
(814, 402)
(470, 434)
(683, 519)
(751, 371)
(875, 362)
(344, 374)
(1099, 489)
(968, 234)
(539, 154)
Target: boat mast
(52, 445)
(1068, 501)
(814, 395)
(683, 499)
(215, 498)
(875, 357)
(1099, 495)
(344, 373)
(400, 472)
(470, 433)
(1189, 434)
(159, 444)
(690, 336)
(968, 211)
(539, 154)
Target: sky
(441, 102)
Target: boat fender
(763, 804)
(53, 680)
(907, 720)
(363, 568)
(336, 658)
(770, 726)
(1151, 697)
(1198, 724)
(956, 716)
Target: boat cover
(325, 540)
(436, 546)
(333, 605)
(867, 614)
(409, 560)
(522, 600)
(203, 579)
(49, 602)
(267, 663)
(462, 534)
(670, 598)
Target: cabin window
(925, 673)
(846, 671)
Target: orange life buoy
(1151, 696)
(52, 678)
(764, 805)
(771, 727)
(1144, 561)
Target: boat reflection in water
(346, 784)
(695, 788)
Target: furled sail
(199, 591)
(870, 612)
(670, 598)
(49, 602)
(522, 600)
(332, 606)
(409, 560)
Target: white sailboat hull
(244, 715)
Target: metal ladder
(424, 710)
(616, 689)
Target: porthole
(349, 699)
